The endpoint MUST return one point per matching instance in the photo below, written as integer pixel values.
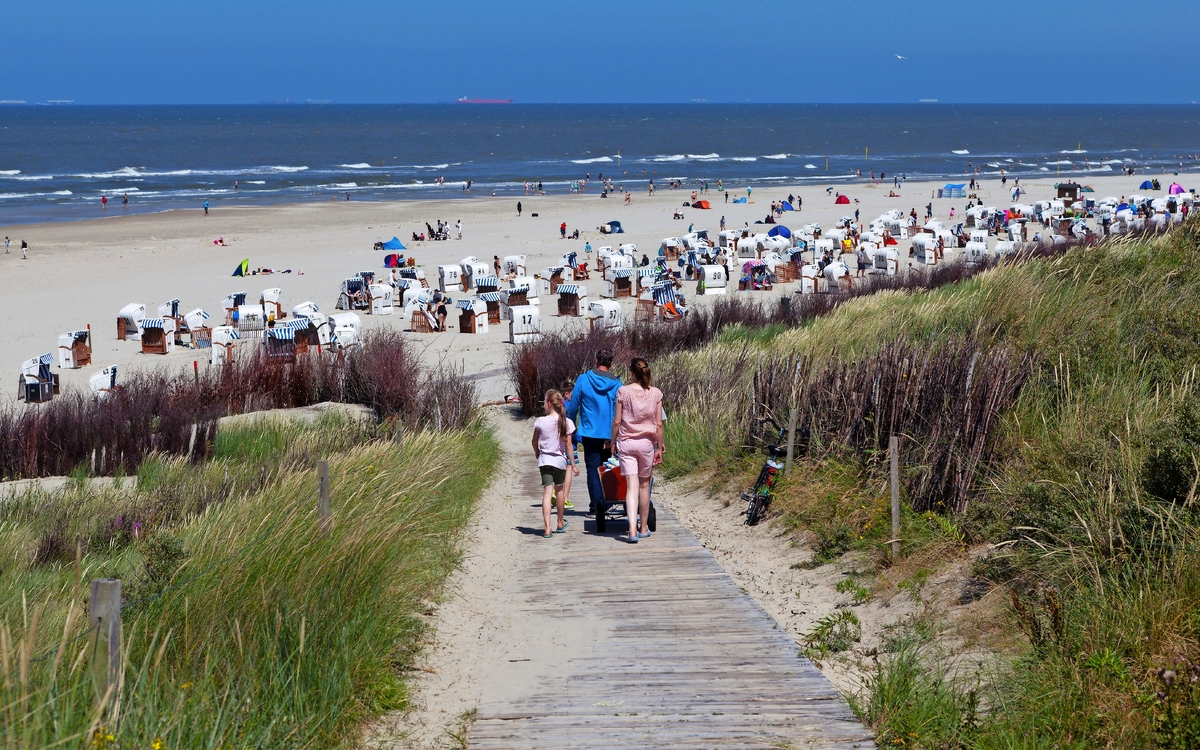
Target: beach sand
(83, 272)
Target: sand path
(584, 641)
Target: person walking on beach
(6, 241)
(862, 262)
(518, 208)
(592, 403)
(24, 250)
(637, 425)
(458, 226)
(104, 201)
(722, 223)
(562, 230)
(496, 264)
(552, 447)
(587, 248)
(206, 208)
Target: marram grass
(262, 634)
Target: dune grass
(1090, 491)
(243, 627)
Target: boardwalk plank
(649, 646)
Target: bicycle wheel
(756, 508)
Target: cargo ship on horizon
(465, 100)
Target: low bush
(176, 413)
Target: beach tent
(842, 200)
(393, 260)
(1087, 189)
(787, 206)
(612, 227)
(393, 244)
(701, 204)
(1175, 189)
(739, 200)
(954, 191)
(1147, 185)
(243, 268)
(780, 230)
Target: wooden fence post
(791, 439)
(104, 614)
(322, 497)
(894, 454)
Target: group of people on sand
(441, 233)
(618, 424)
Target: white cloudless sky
(353, 51)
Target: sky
(629, 51)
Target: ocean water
(57, 162)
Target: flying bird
(899, 57)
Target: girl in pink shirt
(638, 429)
(552, 446)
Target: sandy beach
(83, 272)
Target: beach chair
(271, 304)
(605, 315)
(104, 383)
(492, 301)
(572, 300)
(380, 296)
(524, 324)
(128, 320)
(170, 309)
(450, 278)
(75, 349)
(224, 338)
(198, 328)
(473, 315)
(473, 269)
(618, 282)
(712, 280)
(515, 297)
(38, 384)
(158, 335)
(422, 321)
(230, 305)
(644, 310)
(486, 284)
(514, 264)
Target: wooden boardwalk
(645, 646)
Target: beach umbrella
(243, 268)
(780, 230)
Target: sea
(58, 162)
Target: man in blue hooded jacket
(592, 404)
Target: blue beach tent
(739, 200)
(780, 230)
(954, 191)
(1147, 185)
(787, 206)
(393, 244)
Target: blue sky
(353, 51)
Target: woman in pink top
(638, 429)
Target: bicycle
(760, 497)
